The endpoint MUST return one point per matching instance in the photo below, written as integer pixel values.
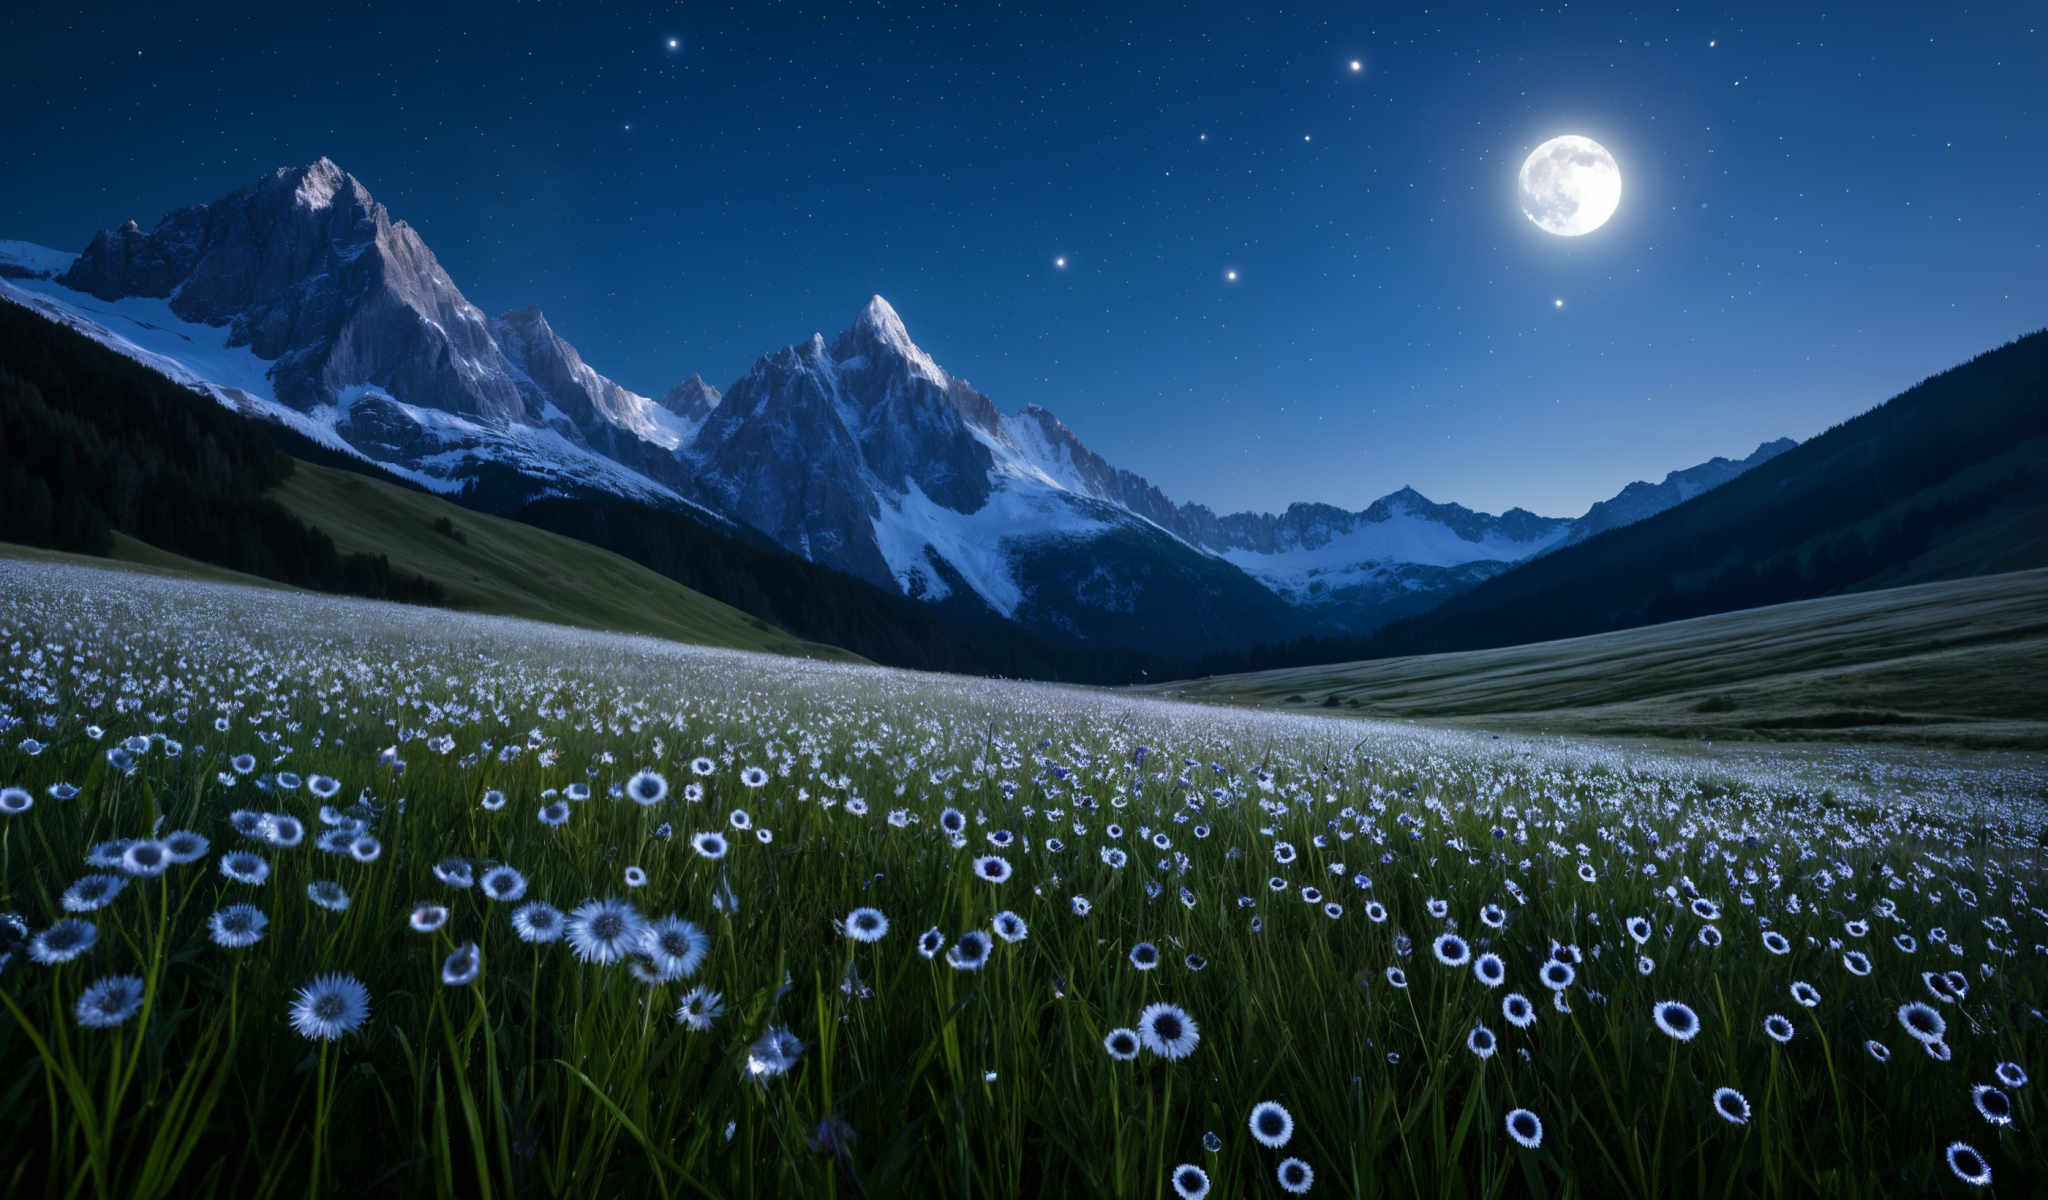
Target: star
(675, 43)
(1558, 303)
(1230, 276)
(1060, 262)
(1356, 66)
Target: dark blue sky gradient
(1825, 205)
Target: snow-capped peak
(880, 317)
(878, 327)
(318, 181)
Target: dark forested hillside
(1947, 480)
(93, 443)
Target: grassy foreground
(537, 911)
(1962, 663)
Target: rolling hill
(494, 565)
(1960, 663)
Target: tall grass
(548, 1076)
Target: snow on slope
(1359, 556)
(31, 259)
(199, 357)
(1054, 463)
(974, 544)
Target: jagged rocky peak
(880, 320)
(533, 345)
(311, 273)
(530, 317)
(281, 225)
(321, 183)
(692, 398)
(1043, 417)
(878, 339)
(528, 339)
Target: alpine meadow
(870, 600)
(486, 907)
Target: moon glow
(1570, 185)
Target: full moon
(1570, 185)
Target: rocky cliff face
(692, 400)
(311, 273)
(777, 455)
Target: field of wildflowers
(310, 896)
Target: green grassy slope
(1957, 663)
(504, 567)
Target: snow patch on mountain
(910, 526)
(146, 330)
(1358, 556)
(26, 260)
(198, 356)
(1031, 450)
(317, 187)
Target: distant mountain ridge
(299, 299)
(1640, 501)
(1946, 480)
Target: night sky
(1818, 208)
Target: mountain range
(298, 299)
